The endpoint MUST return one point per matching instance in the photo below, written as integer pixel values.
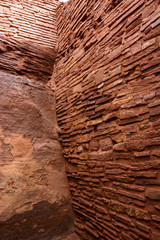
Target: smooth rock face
(35, 199)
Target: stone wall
(26, 59)
(35, 200)
(108, 106)
(29, 20)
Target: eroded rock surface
(35, 199)
(25, 59)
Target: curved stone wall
(108, 106)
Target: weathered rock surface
(35, 199)
(26, 59)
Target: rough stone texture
(35, 199)
(108, 89)
(30, 60)
(30, 20)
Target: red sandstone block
(114, 172)
(154, 104)
(152, 133)
(79, 224)
(85, 202)
(135, 144)
(155, 24)
(94, 145)
(150, 21)
(143, 227)
(147, 174)
(108, 235)
(103, 99)
(130, 186)
(126, 220)
(109, 117)
(134, 103)
(91, 164)
(108, 230)
(155, 152)
(153, 142)
(149, 96)
(120, 179)
(96, 170)
(98, 77)
(148, 43)
(103, 107)
(127, 114)
(142, 154)
(113, 84)
(107, 125)
(134, 235)
(100, 209)
(136, 47)
(131, 121)
(119, 147)
(112, 165)
(146, 66)
(105, 144)
(125, 236)
(141, 234)
(146, 165)
(146, 181)
(154, 112)
(102, 156)
(123, 155)
(132, 195)
(92, 231)
(120, 225)
(153, 193)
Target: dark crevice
(115, 3)
(84, 18)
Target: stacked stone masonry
(108, 107)
(29, 20)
